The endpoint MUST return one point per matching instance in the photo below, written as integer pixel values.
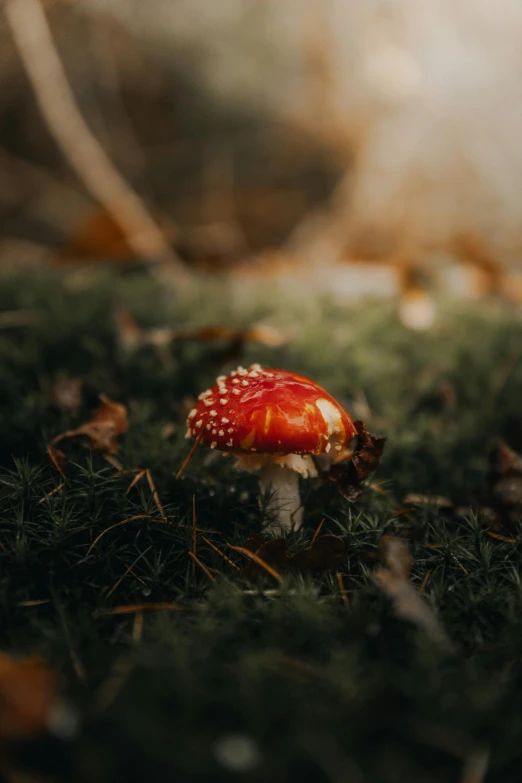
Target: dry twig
(195, 559)
(34, 41)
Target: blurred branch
(35, 45)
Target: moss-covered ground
(232, 683)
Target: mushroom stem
(284, 506)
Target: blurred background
(363, 147)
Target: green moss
(326, 692)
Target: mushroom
(273, 421)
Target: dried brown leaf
(395, 555)
(408, 602)
(97, 238)
(205, 333)
(28, 692)
(131, 336)
(327, 553)
(273, 553)
(504, 493)
(254, 557)
(266, 335)
(108, 421)
(349, 475)
(58, 459)
(254, 542)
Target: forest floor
(179, 659)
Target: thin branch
(35, 45)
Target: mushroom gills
(299, 463)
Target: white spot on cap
(208, 427)
(188, 434)
(221, 378)
(229, 443)
(256, 367)
(221, 433)
(213, 444)
(199, 423)
(242, 371)
(331, 415)
(253, 374)
(235, 380)
(204, 394)
(212, 414)
(327, 447)
(236, 391)
(243, 383)
(208, 403)
(192, 413)
(230, 429)
(214, 432)
(224, 420)
(224, 401)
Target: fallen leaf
(325, 553)
(504, 482)
(254, 542)
(266, 335)
(67, 394)
(131, 336)
(97, 238)
(409, 603)
(504, 460)
(349, 475)
(205, 333)
(108, 421)
(58, 459)
(395, 555)
(273, 553)
(28, 693)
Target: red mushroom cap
(270, 412)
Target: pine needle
(256, 559)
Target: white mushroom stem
(279, 476)
(284, 510)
